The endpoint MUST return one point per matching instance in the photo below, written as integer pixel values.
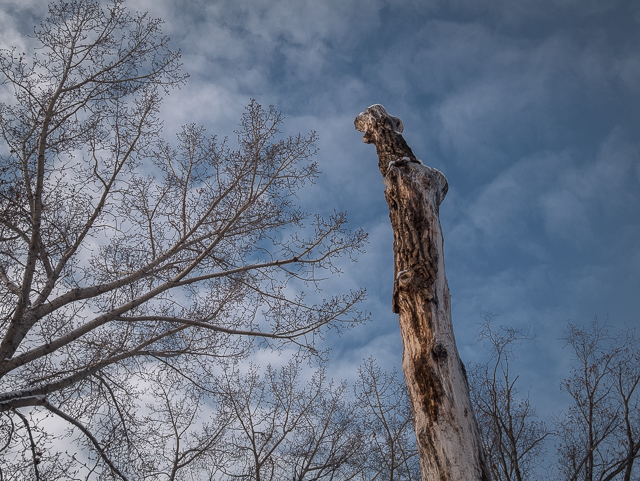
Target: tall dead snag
(448, 438)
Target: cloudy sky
(531, 108)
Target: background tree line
(596, 438)
(137, 275)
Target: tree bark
(448, 438)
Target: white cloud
(18, 18)
(572, 208)
(209, 104)
(567, 192)
(565, 215)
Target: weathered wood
(448, 438)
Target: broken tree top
(385, 132)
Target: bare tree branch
(88, 434)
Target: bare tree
(513, 438)
(387, 425)
(282, 429)
(124, 257)
(599, 436)
(182, 433)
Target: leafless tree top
(120, 251)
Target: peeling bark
(446, 431)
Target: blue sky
(530, 108)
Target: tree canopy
(125, 256)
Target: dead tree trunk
(448, 438)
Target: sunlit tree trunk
(448, 438)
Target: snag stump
(449, 442)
